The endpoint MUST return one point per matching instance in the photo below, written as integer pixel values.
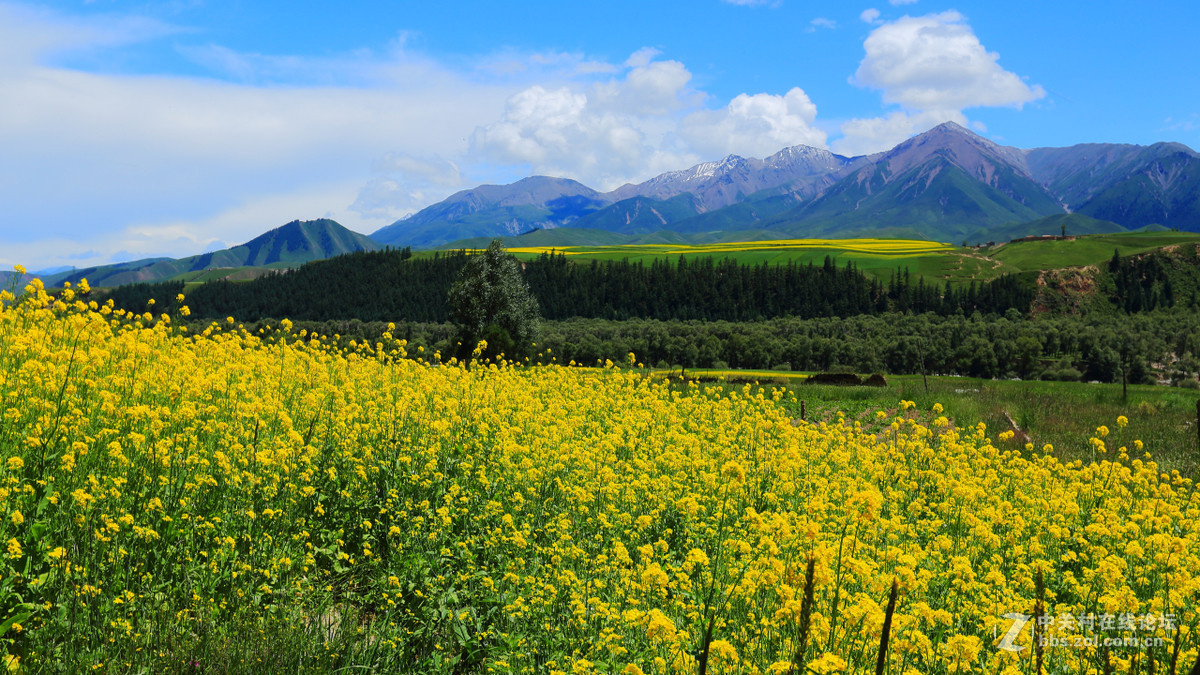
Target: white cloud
(404, 184)
(92, 152)
(896, 3)
(631, 128)
(100, 164)
(755, 125)
(30, 33)
(653, 89)
(821, 22)
(603, 134)
(876, 134)
(933, 67)
(937, 62)
(542, 65)
(230, 226)
(576, 134)
(642, 57)
(120, 139)
(1188, 123)
(870, 15)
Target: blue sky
(136, 129)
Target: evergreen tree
(491, 301)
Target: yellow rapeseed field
(865, 245)
(234, 502)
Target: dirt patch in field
(1065, 290)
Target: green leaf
(15, 618)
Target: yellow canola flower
(237, 482)
(828, 663)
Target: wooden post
(802, 409)
(921, 355)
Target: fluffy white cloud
(229, 225)
(755, 125)
(631, 128)
(937, 62)
(404, 184)
(870, 15)
(88, 152)
(933, 67)
(603, 134)
(656, 88)
(31, 32)
(104, 164)
(576, 134)
(821, 22)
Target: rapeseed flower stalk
(273, 502)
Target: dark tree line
(1011, 345)
(1141, 283)
(1143, 347)
(394, 286)
(701, 312)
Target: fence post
(921, 355)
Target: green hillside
(876, 257)
(1081, 251)
(936, 200)
(754, 212)
(560, 237)
(640, 214)
(1074, 224)
(1132, 185)
(284, 247)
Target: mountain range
(947, 184)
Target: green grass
(192, 279)
(1062, 414)
(1089, 250)
(956, 265)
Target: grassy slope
(952, 263)
(935, 199)
(284, 247)
(1090, 250)
(1076, 224)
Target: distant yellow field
(879, 246)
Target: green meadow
(933, 262)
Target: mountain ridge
(290, 244)
(947, 183)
